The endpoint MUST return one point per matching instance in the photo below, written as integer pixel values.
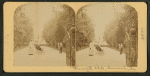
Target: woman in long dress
(92, 49)
(31, 48)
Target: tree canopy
(23, 30)
(115, 32)
(56, 30)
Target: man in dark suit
(61, 46)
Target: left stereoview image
(43, 34)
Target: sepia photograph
(75, 36)
(41, 34)
(107, 35)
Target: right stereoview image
(107, 35)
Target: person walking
(132, 56)
(61, 47)
(121, 48)
(58, 45)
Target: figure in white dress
(31, 48)
(92, 49)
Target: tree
(23, 30)
(56, 29)
(84, 25)
(117, 35)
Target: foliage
(56, 29)
(84, 27)
(115, 33)
(23, 31)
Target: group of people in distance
(132, 52)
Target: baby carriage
(98, 48)
(40, 50)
